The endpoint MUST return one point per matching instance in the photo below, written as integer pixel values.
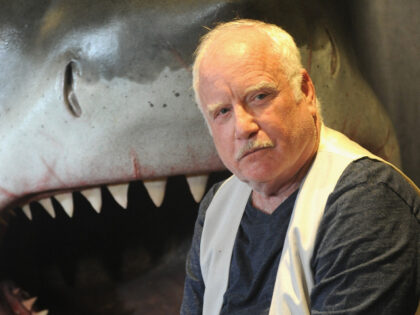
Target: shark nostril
(70, 97)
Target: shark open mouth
(125, 259)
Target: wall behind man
(386, 37)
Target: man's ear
(308, 89)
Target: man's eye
(224, 111)
(260, 96)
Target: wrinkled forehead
(243, 48)
(238, 43)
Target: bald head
(255, 39)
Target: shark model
(98, 118)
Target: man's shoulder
(369, 194)
(372, 177)
(368, 236)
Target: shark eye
(70, 98)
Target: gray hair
(283, 45)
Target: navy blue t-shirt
(255, 258)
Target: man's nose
(245, 124)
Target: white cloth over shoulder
(294, 280)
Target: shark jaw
(119, 192)
(107, 259)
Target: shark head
(95, 102)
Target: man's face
(262, 134)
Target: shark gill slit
(70, 97)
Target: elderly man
(310, 222)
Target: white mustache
(253, 145)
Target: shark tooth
(29, 303)
(48, 206)
(44, 312)
(93, 195)
(66, 201)
(197, 184)
(27, 211)
(120, 194)
(156, 190)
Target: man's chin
(256, 180)
(254, 172)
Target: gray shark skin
(94, 93)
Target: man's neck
(268, 202)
